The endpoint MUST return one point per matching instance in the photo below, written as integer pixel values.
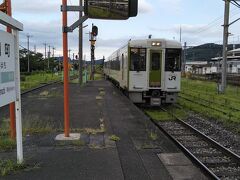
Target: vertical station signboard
(10, 74)
(7, 69)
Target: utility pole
(225, 46)
(35, 49)
(45, 46)
(180, 34)
(49, 54)
(80, 49)
(28, 39)
(184, 57)
(53, 51)
(69, 53)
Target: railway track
(44, 85)
(215, 160)
(39, 87)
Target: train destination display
(7, 69)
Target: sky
(200, 22)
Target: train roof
(148, 43)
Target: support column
(80, 47)
(225, 46)
(66, 85)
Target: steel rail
(235, 158)
(42, 86)
(202, 166)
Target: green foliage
(159, 115)
(36, 79)
(114, 138)
(202, 97)
(7, 144)
(9, 166)
(75, 143)
(37, 62)
(153, 136)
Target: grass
(202, 97)
(7, 144)
(153, 136)
(8, 166)
(34, 125)
(75, 143)
(35, 80)
(114, 138)
(99, 98)
(98, 76)
(93, 131)
(159, 115)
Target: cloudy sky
(200, 21)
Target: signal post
(131, 11)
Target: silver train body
(149, 71)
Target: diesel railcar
(149, 71)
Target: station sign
(7, 69)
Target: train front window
(173, 60)
(138, 59)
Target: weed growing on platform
(94, 131)
(101, 89)
(76, 143)
(34, 125)
(9, 166)
(153, 136)
(102, 93)
(49, 94)
(114, 138)
(7, 144)
(99, 97)
(147, 146)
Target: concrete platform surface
(180, 167)
(115, 141)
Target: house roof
(235, 51)
(196, 63)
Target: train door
(137, 70)
(123, 70)
(155, 69)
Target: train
(120, 5)
(148, 70)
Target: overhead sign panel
(7, 69)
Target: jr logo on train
(149, 71)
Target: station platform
(117, 140)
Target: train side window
(173, 60)
(155, 66)
(138, 59)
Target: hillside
(206, 51)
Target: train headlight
(156, 43)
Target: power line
(235, 3)
(215, 22)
